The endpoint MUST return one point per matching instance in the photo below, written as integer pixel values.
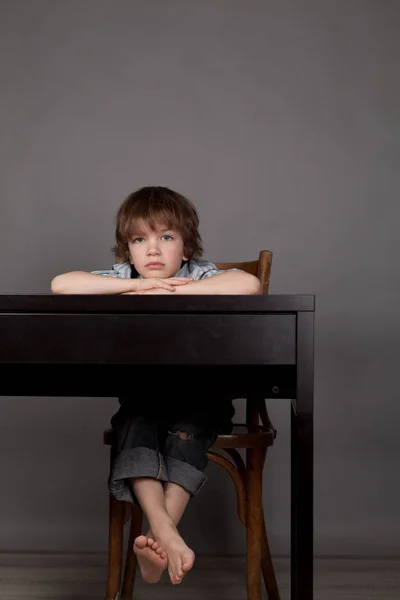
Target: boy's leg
(176, 500)
(136, 454)
(137, 473)
(164, 509)
(185, 445)
(135, 451)
(152, 565)
(150, 495)
(187, 440)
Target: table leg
(302, 431)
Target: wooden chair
(247, 477)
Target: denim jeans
(166, 440)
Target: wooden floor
(82, 577)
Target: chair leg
(267, 567)
(254, 523)
(115, 548)
(237, 478)
(131, 558)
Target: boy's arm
(81, 282)
(227, 282)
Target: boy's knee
(182, 435)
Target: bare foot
(151, 557)
(180, 557)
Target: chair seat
(242, 436)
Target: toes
(155, 545)
(176, 577)
(150, 541)
(177, 580)
(187, 563)
(141, 542)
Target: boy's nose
(153, 249)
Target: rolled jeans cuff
(185, 475)
(131, 463)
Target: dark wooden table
(78, 346)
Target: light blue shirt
(197, 268)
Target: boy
(160, 450)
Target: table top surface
(131, 304)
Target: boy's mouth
(154, 265)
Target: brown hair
(153, 203)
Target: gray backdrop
(280, 120)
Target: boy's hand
(153, 283)
(152, 291)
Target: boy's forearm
(231, 282)
(80, 282)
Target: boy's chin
(159, 273)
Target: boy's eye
(139, 239)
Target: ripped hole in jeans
(182, 435)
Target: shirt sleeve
(123, 271)
(107, 273)
(208, 270)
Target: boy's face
(156, 253)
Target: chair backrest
(261, 268)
